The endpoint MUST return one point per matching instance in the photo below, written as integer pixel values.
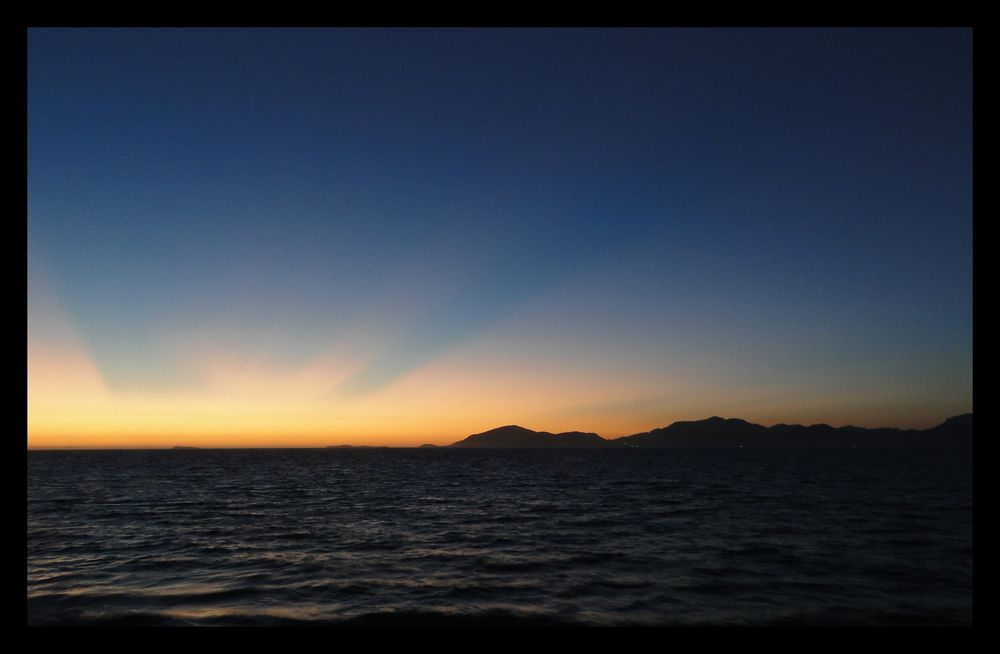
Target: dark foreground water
(388, 537)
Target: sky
(308, 237)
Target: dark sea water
(481, 537)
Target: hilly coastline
(520, 437)
(718, 432)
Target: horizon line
(180, 445)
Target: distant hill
(514, 436)
(711, 432)
(718, 432)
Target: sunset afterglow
(271, 238)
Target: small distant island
(716, 432)
(367, 447)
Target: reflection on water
(499, 537)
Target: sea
(443, 536)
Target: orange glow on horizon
(243, 404)
(241, 401)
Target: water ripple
(398, 537)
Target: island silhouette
(716, 432)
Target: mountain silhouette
(516, 436)
(716, 432)
(711, 432)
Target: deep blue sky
(771, 209)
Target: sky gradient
(279, 237)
